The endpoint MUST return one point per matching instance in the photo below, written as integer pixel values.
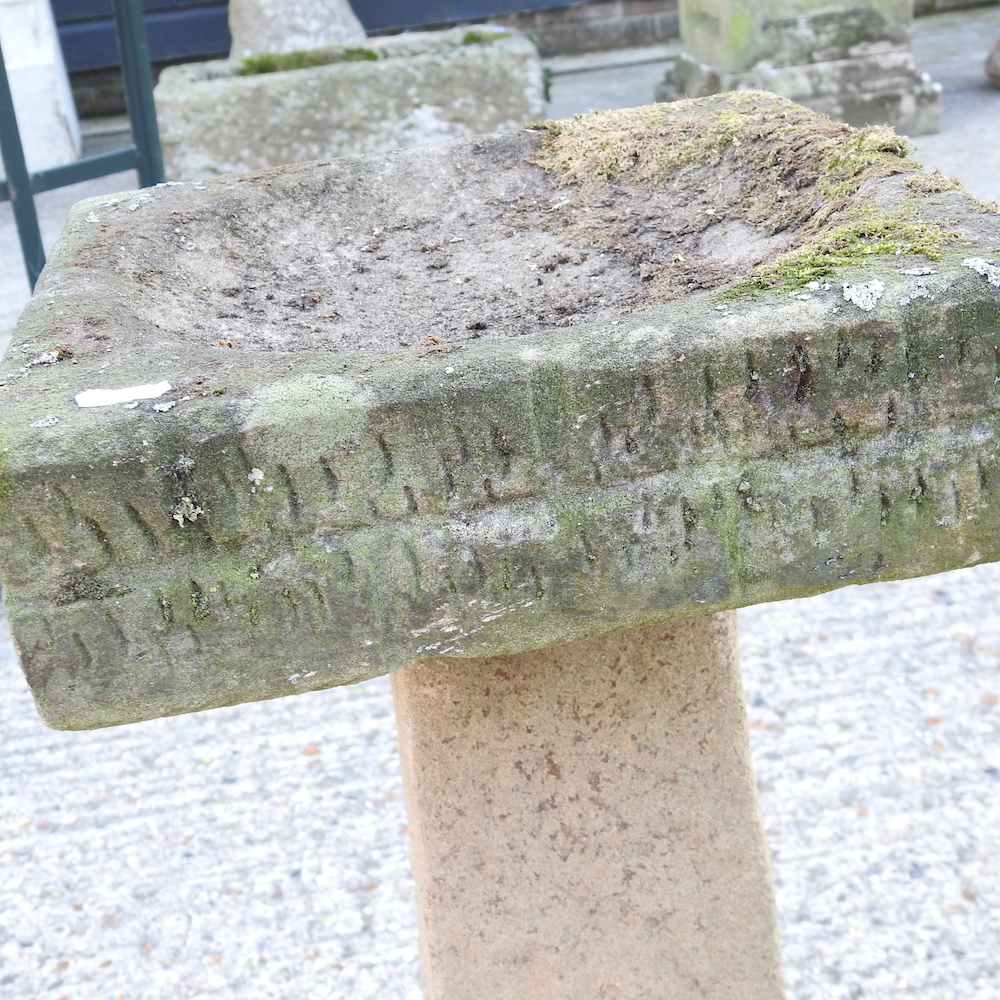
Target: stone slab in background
(850, 61)
(289, 25)
(445, 401)
(415, 88)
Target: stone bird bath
(527, 415)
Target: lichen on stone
(86, 587)
(186, 510)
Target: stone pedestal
(46, 115)
(851, 61)
(400, 90)
(585, 822)
(291, 25)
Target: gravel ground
(261, 851)
(876, 736)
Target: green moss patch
(856, 242)
(279, 62)
(782, 168)
(483, 37)
(775, 141)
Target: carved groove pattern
(332, 479)
(84, 654)
(100, 535)
(387, 461)
(293, 497)
(415, 566)
(117, 631)
(142, 526)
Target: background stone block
(400, 90)
(850, 61)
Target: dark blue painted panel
(377, 15)
(175, 34)
(188, 29)
(80, 10)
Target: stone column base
(585, 823)
(885, 88)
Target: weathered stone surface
(291, 25)
(850, 61)
(446, 401)
(993, 64)
(415, 88)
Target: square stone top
(277, 432)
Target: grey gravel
(257, 851)
(876, 733)
(261, 851)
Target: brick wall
(607, 24)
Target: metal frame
(143, 155)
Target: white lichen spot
(93, 217)
(920, 292)
(987, 268)
(109, 397)
(866, 295)
(918, 270)
(165, 407)
(256, 477)
(186, 510)
(49, 421)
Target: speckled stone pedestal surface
(585, 824)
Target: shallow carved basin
(487, 396)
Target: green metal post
(19, 182)
(133, 47)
